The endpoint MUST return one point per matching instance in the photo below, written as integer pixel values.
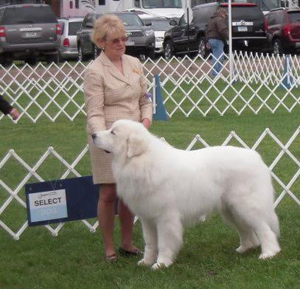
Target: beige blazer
(109, 96)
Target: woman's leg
(126, 221)
(106, 215)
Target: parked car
(159, 25)
(28, 32)
(141, 39)
(140, 12)
(85, 46)
(68, 40)
(283, 30)
(248, 31)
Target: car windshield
(160, 25)
(29, 15)
(294, 17)
(148, 4)
(130, 19)
(246, 13)
(74, 27)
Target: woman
(114, 88)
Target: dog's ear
(135, 145)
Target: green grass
(207, 259)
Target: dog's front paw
(158, 266)
(145, 262)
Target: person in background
(6, 108)
(217, 35)
(114, 88)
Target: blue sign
(61, 200)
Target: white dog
(168, 188)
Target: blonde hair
(107, 24)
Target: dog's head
(125, 137)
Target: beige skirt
(101, 164)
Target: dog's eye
(112, 132)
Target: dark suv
(28, 32)
(141, 38)
(248, 31)
(86, 48)
(283, 30)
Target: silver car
(68, 40)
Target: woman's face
(114, 45)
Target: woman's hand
(14, 114)
(146, 122)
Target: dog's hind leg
(170, 231)
(268, 239)
(258, 223)
(248, 239)
(150, 237)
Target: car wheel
(60, 58)
(81, 57)
(168, 50)
(2, 59)
(96, 52)
(202, 48)
(277, 47)
(5, 60)
(52, 58)
(32, 61)
(151, 54)
(142, 57)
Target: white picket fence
(15, 195)
(259, 82)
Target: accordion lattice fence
(12, 197)
(258, 83)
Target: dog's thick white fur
(168, 188)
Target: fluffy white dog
(168, 188)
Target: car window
(84, 21)
(279, 18)
(130, 20)
(203, 15)
(28, 15)
(160, 25)
(294, 17)
(182, 21)
(62, 26)
(74, 27)
(148, 4)
(1, 13)
(271, 19)
(246, 13)
(197, 2)
(88, 21)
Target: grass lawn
(207, 259)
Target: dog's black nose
(94, 136)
